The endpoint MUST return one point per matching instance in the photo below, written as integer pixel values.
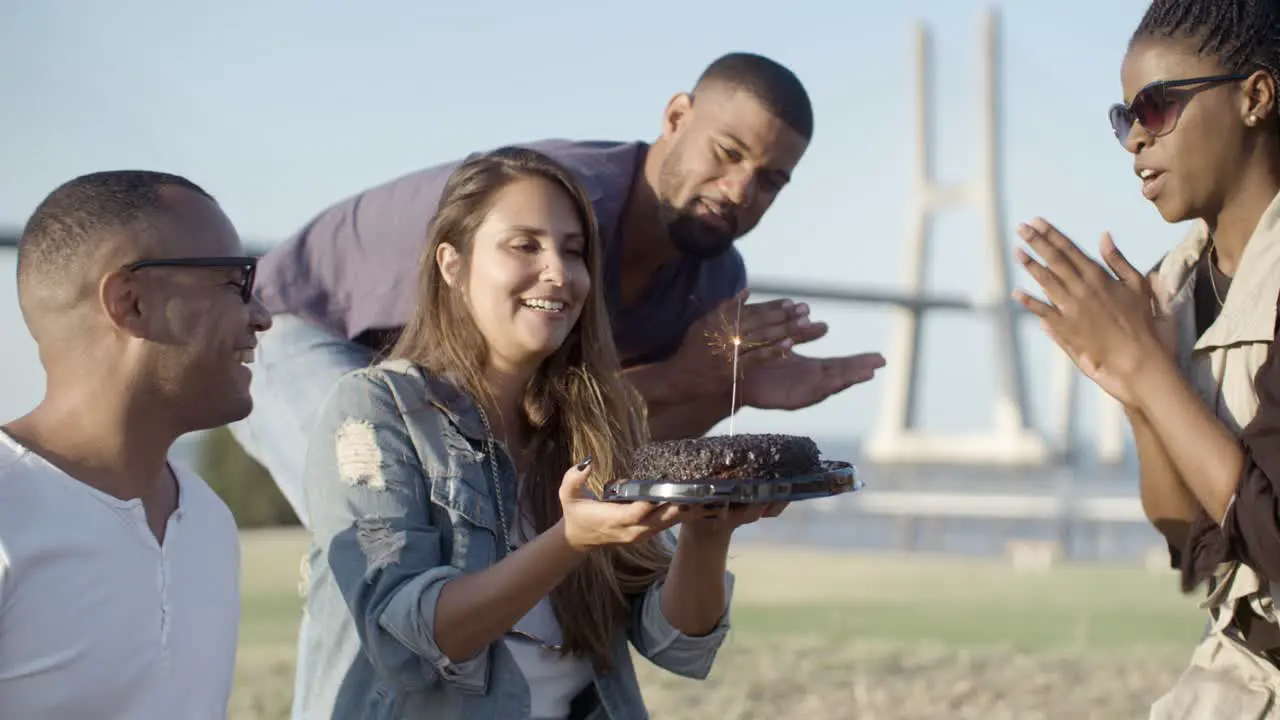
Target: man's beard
(692, 236)
(689, 234)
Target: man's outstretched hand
(795, 381)
(703, 366)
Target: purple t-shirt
(353, 270)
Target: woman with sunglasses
(1188, 349)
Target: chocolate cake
(726, 457)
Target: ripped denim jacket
(400, 504)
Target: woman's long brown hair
(577, 404)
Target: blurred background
(997, 563)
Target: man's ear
(449, 260)
(677, 112)
(118, 296)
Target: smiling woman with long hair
(1189, 350)
(460, 565)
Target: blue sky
(279, 108)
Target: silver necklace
(1213, 267)
(491, 449)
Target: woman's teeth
(544, 305)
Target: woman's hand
(722, 520)
(590, 523)
(1107, 325)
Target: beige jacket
(1225, 680)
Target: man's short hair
(72, 221)
(773, 85)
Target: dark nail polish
(585, 462)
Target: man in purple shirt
(669, 213)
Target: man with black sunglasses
(119, 570)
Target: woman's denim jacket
(400, 502)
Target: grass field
(825, 635)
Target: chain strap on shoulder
(491, 449)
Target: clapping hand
(765, 332)
(1111, 327)
(796, 381)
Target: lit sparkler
(733, 398)
(737, 347)
(727, 340)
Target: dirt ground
(826, 636)
(756, 680)
(831, 681)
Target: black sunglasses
(247, 265)
(1157, 109)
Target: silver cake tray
(834, 479)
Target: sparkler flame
(726, 341)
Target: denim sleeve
(369, 506)
(658, 641)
